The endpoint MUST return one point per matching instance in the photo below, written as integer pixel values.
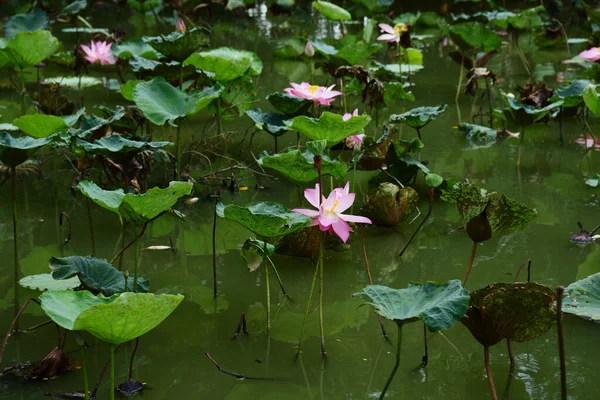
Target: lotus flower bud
(180, 26)
(309, 50)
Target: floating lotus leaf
(519, 311)
(137, 208)
(118, 144)
(270, 122)
(388, 205)
(40, 125)
(582, 298)
(47, 282)
(27, 49)
(485, 214)
(226, 63)
(162, 102)
(33, 21)
(116, 319)
(572, 94)
(438, 304)
(418, 117)
(266, 219)
(473, 34)
(332, 11)
(289, 105)
(135, 48)
(253, 252)
(329, 126)
(180, 46)
(478, 136)
(299, 166)
(96, 275)
(16, 150)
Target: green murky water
(172, 358)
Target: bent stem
(135, 347)
(488, 371)
(389, 381)
(470, 266)
(431, 195)
(561, 343)
(13, 173)
(368, 267)
(511, 357)
(112, 373)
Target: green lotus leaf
(519, 311)
(398, 69)
(288, 104)
(116, 319)
(108, 199)
(74, 82)
(47, 282)
(356, 51)
(329, 126)
(139, 63)
(527, 19)
(388, 204)
(118, 144)
(33, 21)
(272, 123)
(27, 49)
(434, 180)
(395, 91)
(472, 34)
(418, 117)
(126, 89)
(96, 275)
(526, 114)
(572, 94)
(253, 252)
(40, 125)
(266, 219)
(131, 48)
(299, 166)
(290, 48)
(478, 136)
(238, 97)
(485, 214)
(16, 150)
(582, 298)
(325, 49)
(438, 304)
(162, 102)
(75, 7)
(226, 63)
(590, 97)
(180, 46)
(91, 123)
(331, 11)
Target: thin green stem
(178, 148)
(471, 261)
(88, 205)
(22, 78)
(321, 292)
(122, 242)
(268, 283)
(310, 295)
(85, 377)
(13, 173)
(460, 77)
(561, 343)
(219, 126)
(136, 262)
(112, 373)
(399, 346)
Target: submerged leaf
(388, 205)
(299, 166)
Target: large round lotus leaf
(582, 298)
(226, 63)
(485, 214)
(418, 117)
(47, 282)
(137, 48)
(388, 205)
(519, 311)
(331, 11)
(473, 34)
(27, 49)
(180, 46)
(265, 218)
(572, 94)
(96, 275)
(592, 102)
(329, 126)
(270, 122)
(300, 167)
(33, 21)
(162, 102)
(108, 199)
(40, 125)
(116, 319)
(118, 144)
(288, 104)
(438, 304)
(16, 150)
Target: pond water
(171, 358)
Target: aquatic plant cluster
(360, 63)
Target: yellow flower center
(399, 29)
(335, 204)
(313, 88)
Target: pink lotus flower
(180, 26)
(319, 94)
(329, 216)
(392, 34)
(99, 52)
(309, 50)
(588, 143)
(354, 141)
(347, 116)
(592, 54)
(502, 33)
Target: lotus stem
(85, 377)
(370, 278)
(214, 248)
(560, 126)
(488, 371)
(419, 133)
(135, 239)
(511, 357)
(460, 77)
(22, 78)
(561, 343)
(321, 291)
(122, 242)
(135, 347)
(425, 358)
(136, 262)
(278, 277)
(470, 266)
(219, 126)
(268, 284)
(431, 195)
(13, 173)
(528, 263)
(398, 347)
(310, 295)
(88, 206)
(178, 149)
(112, 373)
(489, 97)
(276, 150)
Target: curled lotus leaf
(388, 205)
(373, 153)
(331, 11)
(254, 252)
(526, 114)
(288, 104)
(520, 311)
(116, 319)
(485, 214)
(582, 298)
(118, 144)
(226, 63)
(266, 219)
(329, 126)
(572, 94)
(299, 166)
(438, 304)
(180, 46)
(270, 122)
(16, 150)
(418, 117)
